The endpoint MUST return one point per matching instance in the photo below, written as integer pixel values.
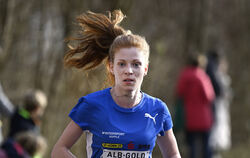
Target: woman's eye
(121, 64)
(136, 64)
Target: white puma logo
(149, 116)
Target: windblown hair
(100, 37)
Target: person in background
(24, 145)
(119, 120)
(6, 109)
(28, 116)
(195, 90)
(213, 60)
(222, 125)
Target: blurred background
(32, 46)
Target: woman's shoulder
(92, 101)
(99, 93)
(97, 96)
(154, 100)
(156, 104)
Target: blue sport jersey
(116, 132)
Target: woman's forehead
(129, 53)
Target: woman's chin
(127, 87)
(130, 88)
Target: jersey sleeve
(167, 122)
(80, 114)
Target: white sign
(124, 154)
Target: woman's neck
(126, 99)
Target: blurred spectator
(195, 90)
(6, 109)
(212, 70)
(221, 128)
(24, 145)
(28, 117)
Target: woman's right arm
(69, 137)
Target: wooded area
(32, 47)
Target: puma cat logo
(151, 117)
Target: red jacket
(195, 89)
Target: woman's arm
(168, 145)
(69, 137)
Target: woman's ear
(146, 70)
(111, 68)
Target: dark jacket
(212, 71)
(21, 122)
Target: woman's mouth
(129, 81)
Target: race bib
(124, 154)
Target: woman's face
(129, 67)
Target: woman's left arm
(168, 145)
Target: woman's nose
(129, 70)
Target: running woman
(120, 121)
